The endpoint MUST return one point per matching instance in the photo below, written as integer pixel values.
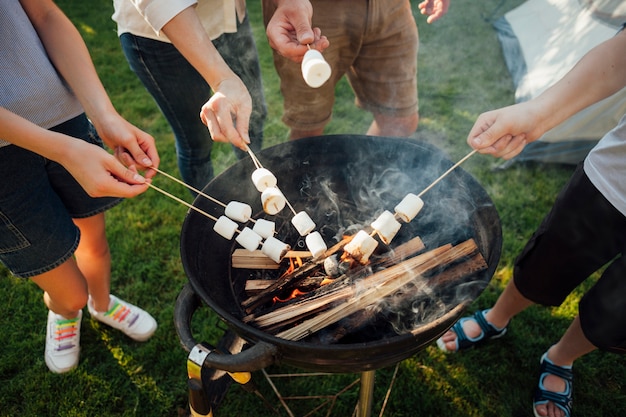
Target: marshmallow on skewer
(273, 200)
(263, 178)
(225, 227)
(237, 211)
(408, 208)
(315, 69)
(274, 249)
(386, 226)
(264, 228)
(249, 239)
(315, 243)
(361, 246)
(303, 223)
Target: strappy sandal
(562, 400)
(488, 332)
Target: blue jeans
(180, 92)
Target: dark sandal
(562, 400)
(488, 332)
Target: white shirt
(606, 166)
(146, 18)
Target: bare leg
(384, 125)
(572, 346)
(508, 305)
(65, 291)
(94, 259)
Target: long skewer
(173, 178)
(183, 202)
(465, 158)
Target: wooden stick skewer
(452, 168)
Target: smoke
(446, 218)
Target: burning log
(379, 285)
(312, 304)
(292, 278)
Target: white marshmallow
(386, 226)
(264, 228)
(315, 69)
(315, 243)
(248, 239)
(225, 227)
(237, 211)
(274, 249)
(263, 178)
(303, 223)
(408, 208)
(273, 200)
(361, 246)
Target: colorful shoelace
(120, 313)
(66, 330)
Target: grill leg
(366, 394)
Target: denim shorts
(38, 200)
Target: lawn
(461, 74)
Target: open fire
(306, 298)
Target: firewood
(435, 283)
(395, 277)
(298, 274)
(307, 307)
(244, 259)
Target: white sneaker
(62, 342)
(133, 321)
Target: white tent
(541, 41)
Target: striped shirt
(30, 86)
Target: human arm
(289, 30)
(435, 9)
(227, 113)
(68, 52)
(599, 74)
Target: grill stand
(366, 393)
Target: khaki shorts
(374, 43)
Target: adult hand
(289, 30)
(227, 113)
(434, 9)
(504, 132)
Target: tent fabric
(541, 41)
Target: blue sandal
(562, 400)
(488, 332)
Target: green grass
(461, 74)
